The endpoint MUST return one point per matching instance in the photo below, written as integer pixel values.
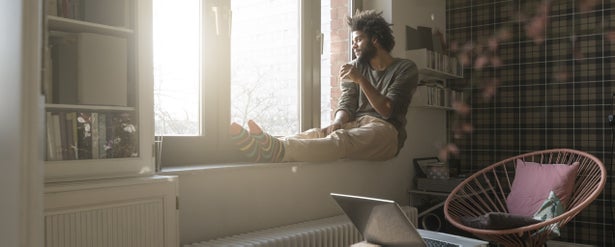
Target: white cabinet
(97, 79)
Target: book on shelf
(63, 136)
(102, 136)
(108, 12)
(71, 135)
(124, 136)
(429, 59)
(50, 137)
(73, 9)
(438, 41)
(84, 134)
(62, 8)
(57, 137)
(99, 135)
(52, 7)
(110, 133)
(435, 95)
(69, 9)
(90, 135)
(95, 136)
(47, 74)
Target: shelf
(433, 107)
(431, 193)
(433, 65)
(435, 97)
(88, 107)
(96, 83)
(71, 25)
(93, 169)
(428, 73)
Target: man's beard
(367, 54)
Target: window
(261, 62)
(265, 64)
(176, 38)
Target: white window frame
(213, 146)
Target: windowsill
(193, 169)
(210, 167)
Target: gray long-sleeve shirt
(397, 82)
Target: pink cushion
(533, 182)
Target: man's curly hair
(373, 24)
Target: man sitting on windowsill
(370, 120)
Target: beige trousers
(366, 138)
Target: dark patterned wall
(551, 94)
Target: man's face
(362, 47)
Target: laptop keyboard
(439, 243)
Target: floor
(564, 244)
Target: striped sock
(271, 149)
(244, 141)
(256, 144)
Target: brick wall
(340, 43)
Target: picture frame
(421, 165)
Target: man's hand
(333, 127)
(347, 71)
(341, 117)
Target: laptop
(383, 222)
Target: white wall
(217, 202)
(10, 115)
(226, 201)
(21, 177)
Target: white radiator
(131, 225)
(131, 212)
(335, 231)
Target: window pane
(325, 64)
(264, 64)
(176, 67)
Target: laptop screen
(380, 221)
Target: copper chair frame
(486, 191)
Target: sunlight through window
(177, 67)
(265, 64)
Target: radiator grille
(335, 231)
(134, 224)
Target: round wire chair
(486, 191)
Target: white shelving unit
(100, 180)
(434, 70)
(435, 96)
(433, 65)
(97, 66)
